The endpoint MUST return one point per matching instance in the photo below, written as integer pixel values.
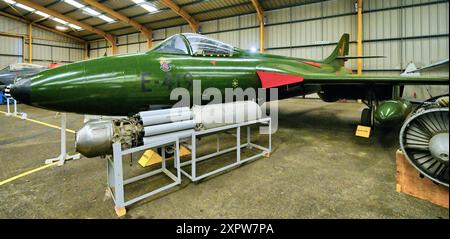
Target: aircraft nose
(21, 91)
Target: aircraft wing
(324, 79)
(279, 75)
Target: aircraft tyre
(366, 117)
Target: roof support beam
(260, 13)
(359, 47)
(147, 32)
(109, 37)
(41, 26)
(185, 15)
(30, 43)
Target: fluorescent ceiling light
(74, 3)
(10, 1)
(60, 21)
(61, 28)
(25, 7)
(149, 7)
(42, 14)
(106, 18)
(75, 27)
(146, 5)
(91, 11)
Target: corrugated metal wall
(48, 47)
(401, 30)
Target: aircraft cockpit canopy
(204, 46)
(174, 44)
(198, 45)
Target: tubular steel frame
(115, 176)
(193, 176)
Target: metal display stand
(114, 163)
(63, 157)
(8, 106)
(194, 160)
(115, 177)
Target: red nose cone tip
(21, 91)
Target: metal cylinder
(166, 118)
(95, 138)
(163, 112)
(167, 128)
(213, 116)
(181, 135)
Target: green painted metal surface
(127, 84)
(392, 112)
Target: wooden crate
(409, 182)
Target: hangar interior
(326, 182)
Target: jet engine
(96, 137)
(424, 139)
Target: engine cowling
(424, 139)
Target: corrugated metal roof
(275, 4)
(202, 10)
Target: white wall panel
(122, 49)
(134, 48)
(249, 38)
(377, 4)
(60, 54)
(12, 26)
(277, 36)
(42, 52)
(76, 55)
(306, 33)
(277, 16)
(336, 7)
(47, 46)
(209, 26)
(186, 28)
(229, 37)
(134, 38)
(122, 40)
(11, 45)
(249, 20)
(159, 34)
(228, 23)
(333, 28)
(308, 11)
(281, 52)
(172, 31)
(307, 52)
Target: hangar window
(174, 44)
(202, 45)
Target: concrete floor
(318, 169)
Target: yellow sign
(363, 131)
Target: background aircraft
(128, 84)
(11, 73)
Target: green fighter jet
(127, 84)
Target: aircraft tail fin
(339, 52)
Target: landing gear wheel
(366, 117)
